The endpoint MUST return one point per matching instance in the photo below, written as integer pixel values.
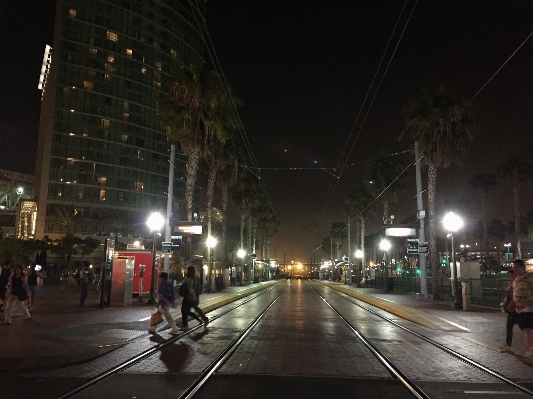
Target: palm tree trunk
(210, 193)
(225, 198)
(362, 237)
(516, 205)
(432, 190)
(192, 171)
(485, 225)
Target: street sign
(187, 227)
(166, 247)
(422, 247)
(175, 243)
(412, 246)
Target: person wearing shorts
(523, 299)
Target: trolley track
(494, 374)
(158, 347)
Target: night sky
(303, 69)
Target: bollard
(466, 295)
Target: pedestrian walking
(165, 301)
(83, 280)
(189, 290)
(509, 307)
(523, 300)
(4, 279)
(33, 283)
(17, 292)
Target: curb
(405, 312)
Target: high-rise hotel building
(101, 148)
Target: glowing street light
(155, 222)
(241, 253)
(452, 223)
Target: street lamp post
(210, 242)
(155, 222)
(241, 253)
(508, 251)
(385, 245)
(452, 223)
(359, 256)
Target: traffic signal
(417, 271)
(443, 261)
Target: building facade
(102, 154)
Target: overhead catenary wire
(213, 56)
(336, 182)
(421, 155)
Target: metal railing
(489, 290)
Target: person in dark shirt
(33, 284)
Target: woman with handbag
(190, 300)
(17, 289)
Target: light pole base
(424, 297)
(457, 305)
(151, 301)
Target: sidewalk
(482, 325)
(61, 332)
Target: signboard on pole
(166, 247)
(412, 246)
(422, 247)
(175, 242)
(188, 227)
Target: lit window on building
(143, 69)
(126, 106)
(125, 116)
(121, 196)
(111, 57)
(157, 84)
(173, 53)
(102, 181)
(112, 36)
(59, 194)
(158, 65)
(93, 51)
(102, 195)
(88, 85)
(105, 122)
(80, 192)
(129, 52)
(124, 138)
(72, 13)
(138, 186)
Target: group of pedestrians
(518, 304)
(17, 289)
(190, 290)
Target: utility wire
(213, 55)
(375, 94)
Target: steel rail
(225, 354)
(451, 352)
(149, 352)
(384, 360)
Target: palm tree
(338, 234)
(117, 219)
(443, 126)
(485, 182)
(358, 205)
(385, 181)
(197, 109)
(66, 215)
(226, 178)
(516, 170)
